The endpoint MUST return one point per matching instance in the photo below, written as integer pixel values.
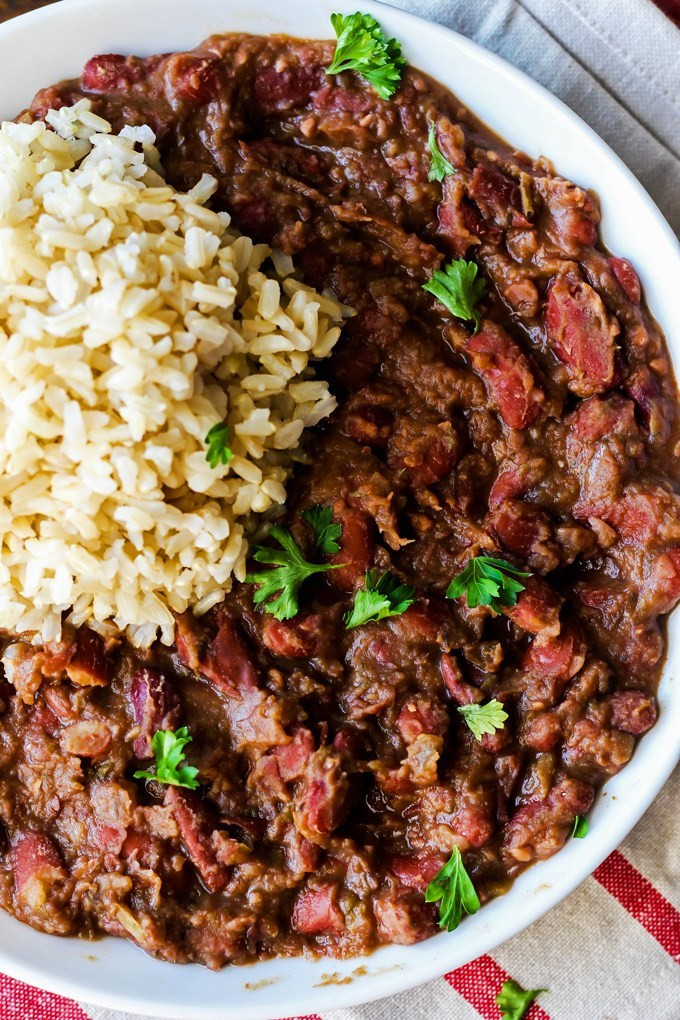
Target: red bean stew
(523, 430)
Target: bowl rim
(405, 967)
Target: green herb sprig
(452, 888)
(362, 46)
(217, 442)
(378, 599)
(486, 718)
(581, 826)
(440, 167)
(459, 289)
(488, 581)
(279, 588)
(168, 748)
(514, 1001)
(326, 533)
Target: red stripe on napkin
(480, 982)
(642, 901)
(310, 1016)
(21, 1002)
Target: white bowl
(54, 43)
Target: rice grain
(132, 320)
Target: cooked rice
(132, 320)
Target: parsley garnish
(218, 449)
(483, 719)
(514, 1001)
(453, 886)
(458, 289)
(320, 520)
(439, 164)
(378, 599)
(580, 830)
(488, 582)
(363, 47)
(287, 576)
(168, 748)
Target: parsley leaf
(439, 164)
(514, 1001)
(378, 599)
(168, 748)
(483, 719)
(363, 47)
(453, 887)
(580, 830)
(458, 289)
(487, 581)
(280, 587)
(217, 441)
(320, 520)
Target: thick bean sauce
(336, 775)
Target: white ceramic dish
(55, 43)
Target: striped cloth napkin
(611, 950)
